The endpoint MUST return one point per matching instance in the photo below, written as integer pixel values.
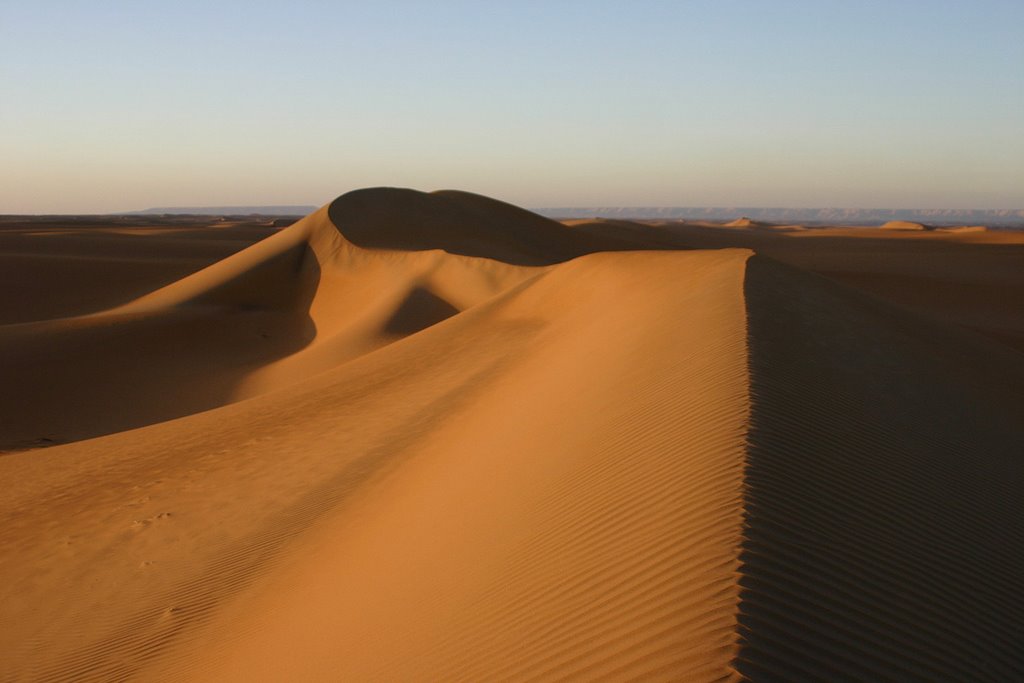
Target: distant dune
(742, 222)
(749, 223)
(904, 225)
(964, 228)
(798, 216)
(433, 436)
(274, 210)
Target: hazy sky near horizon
(110, 106)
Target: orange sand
(435, 437)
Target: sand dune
(964, 229)
(904, 225)
(55, 269)
(435, 437)
(972, 279)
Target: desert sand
(437, 437)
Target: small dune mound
(904, 225)
(751, 224)
(960, 229)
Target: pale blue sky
(110, 106)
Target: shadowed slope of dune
(884, 533)
(177, 351)
(971, 279)
(51, 269)
(459, 223)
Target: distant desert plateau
(435, 437)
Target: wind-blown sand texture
(436, 437)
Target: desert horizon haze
(111, 105)
(818, 216)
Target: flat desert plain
(435, 437)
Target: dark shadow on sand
(883, 509)
(66, 383)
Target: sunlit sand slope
(578, 514)
(526, 487)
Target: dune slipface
(435, 437)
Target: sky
(111, 106)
